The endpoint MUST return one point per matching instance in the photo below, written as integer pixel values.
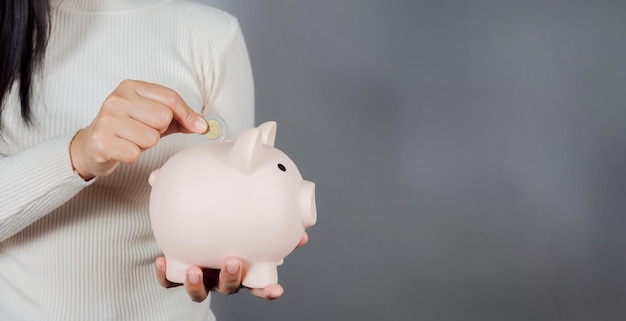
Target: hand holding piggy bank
(242, 199)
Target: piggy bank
(244, 199)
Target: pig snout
(307, 204)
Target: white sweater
(72, 250)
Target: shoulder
(203, 16)
(210, 30)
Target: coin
(217, 128)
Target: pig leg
(260, 275)
(175, 270)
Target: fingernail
(232, 268)
(194, 277)
(201, 125)
(159, 265)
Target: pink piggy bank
(244, 199)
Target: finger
(135, 132)
(150, 112)
(194, 284)
(303, 240)
(271, 292)
(99, 151)
(182, 113)
(230, 277)
(160, 273)
(104, 140)
(125, 101)
(119, 150)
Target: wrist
(75, 158)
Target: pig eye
(282, 167)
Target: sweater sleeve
(34, 182)
(231, 93)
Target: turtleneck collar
(106, 5)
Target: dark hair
(24, 30)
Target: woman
(78, 141)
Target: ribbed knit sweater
(76, 250)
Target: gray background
(469, 156)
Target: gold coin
(217, 128)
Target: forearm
(34, 182)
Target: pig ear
(244, 152)
(268, 133)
